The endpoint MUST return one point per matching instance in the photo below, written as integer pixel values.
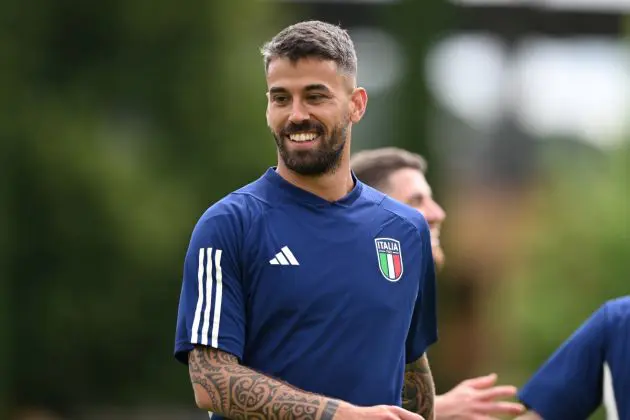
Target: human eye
(280, 99)
(315, 97)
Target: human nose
(299, 112)
(434, 213)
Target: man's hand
(379, 412)
(476, 399)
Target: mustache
(293, 128)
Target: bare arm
(419, 389)
(225, 387)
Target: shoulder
(617, 310)
(621, 304)
(237, 210)
(398, 212)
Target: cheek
(268, 115)
(273, 119)
(339, 116)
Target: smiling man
(307, 294)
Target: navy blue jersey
(332, 297)
(571, 384)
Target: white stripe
(217, 301)
(195, 326)
(206, 315)
(283, 261)
(390, 266)
(609, 395)
(274, 261)
(290, 255)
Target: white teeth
(299, 137)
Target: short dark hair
(313, 39)
(373, 167)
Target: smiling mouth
(303, 137)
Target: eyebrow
(416, 197)
(308, 88)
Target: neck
(330, 186)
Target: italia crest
(389, 257)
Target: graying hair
(313, 39)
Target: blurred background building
(124, 120)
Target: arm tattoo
(419, 389)
(238, 392)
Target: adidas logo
(284, 257)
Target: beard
(323, 159)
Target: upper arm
(211, 308)
(420, 365)
(423, 329)
(206, 366)
(419, 389)
(204, 359)
(569, 383)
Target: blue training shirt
(332, 297)
(570, 385)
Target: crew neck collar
(308, 197)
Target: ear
(358, 103)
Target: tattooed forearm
(237, 392)
(419, 389)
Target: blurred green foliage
(575, 258)
(126, 119)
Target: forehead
(408, 182)
(296, 75)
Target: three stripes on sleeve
(208, 316)
(207, 320)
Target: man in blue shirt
(591, 366)
(401, 175)
(307, 294)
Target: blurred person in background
(401, 175)
(592, 366)
(286, 310)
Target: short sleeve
(423, 329)
(569, 384)
(211, 308)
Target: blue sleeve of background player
(423, 329)
(211, 307)
(569, 384)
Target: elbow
(202, 399)
(209, 378)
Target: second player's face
(309, 111)
(409, 186)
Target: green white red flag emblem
(389, 258)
